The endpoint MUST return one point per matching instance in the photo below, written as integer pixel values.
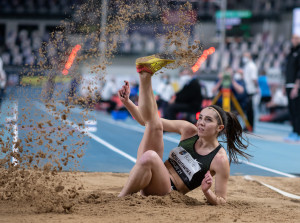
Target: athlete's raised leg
(153, 135)
(149, 173)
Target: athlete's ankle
(144, 69)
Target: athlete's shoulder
(220, 161)
(189, 131)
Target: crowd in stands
(32, 48)
(36, 7)
(22, 48)
(205, 8)
(267, 52)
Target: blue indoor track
(112, 144)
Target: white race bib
(185, 161)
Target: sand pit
(94, 199)
(39, 192)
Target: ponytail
(234, 134)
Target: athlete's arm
(222, 171)
(123, 94)
(184, 128)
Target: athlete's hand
(124, 92)
(206, 182)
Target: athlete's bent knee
(148, 158)
(156, 125)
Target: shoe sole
(154, 59)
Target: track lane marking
(268, 169)
(41, 107)
(12, 122)
(286, 194)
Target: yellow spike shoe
(153, 63)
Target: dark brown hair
(233, 134)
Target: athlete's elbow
(141, 123)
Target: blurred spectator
(109, 90)
(188, 99)
(73, 88)
(134, 91)
(265, 93)
(278, 101)
(164, 92)
(2, 81)
(237, 86)
(292, 75)
(251, 81)
(277, 107)
(50, 84)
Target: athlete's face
(207, 123)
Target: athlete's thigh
(160, 183)
(152, 139)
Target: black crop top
(189, 165)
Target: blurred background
(260, 27)
(57, 50)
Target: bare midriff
(179, 184)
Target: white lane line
(267, 169)
(14, 126)
(96, 138)
(111, 147)
(273, 188)
(15, 139)
(274, 138)
(91, 125)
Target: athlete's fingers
(121, 94)
(206, 177)
(127, 88)
(208, 173)
(208, 180)
(126, 85)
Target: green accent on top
(188, 144)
